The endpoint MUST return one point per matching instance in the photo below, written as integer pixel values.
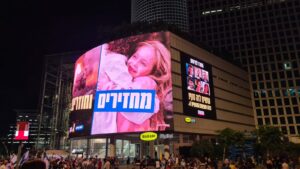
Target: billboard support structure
(54, 100)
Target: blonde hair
(161, 71)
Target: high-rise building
(264, 35)
(169, 11)
(31, 117)
(55, 99)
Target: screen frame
(188, 110)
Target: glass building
(167, 11)
(264, 35)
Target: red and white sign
(22, 131)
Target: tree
(201, 148)
(292, 150)
(229, 137)
(270, 139)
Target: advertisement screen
(22, 131)
(128, 89)
(84, 89)
(197, 88)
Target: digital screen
(197, 88)
(84, 89)
(123, 86)
(22, 131)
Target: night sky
(29, 30)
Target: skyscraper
(170, 11)
(264, 35)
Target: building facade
(32, 117)
(264, 36)
(195, 115)
(167, 11)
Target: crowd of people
(40, 161)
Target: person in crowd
(226, 164)
(190, 70)
(205, 76)
(191, 85)
(107, 164)
(269, 164)
(206, 89)
(199, 87)
(3, 164)
(34, 164)
(285, 165)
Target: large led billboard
(22, 131)
(197, 88)
(123, 86)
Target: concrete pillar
(151, 149)
(112, 147)
(88, 147)
(180, 138)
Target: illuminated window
(270, 93)
(287, 65)
(255, 93)
(263, 93)
(285, 92)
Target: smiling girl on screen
(147, 68)
(150, 68)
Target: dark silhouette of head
(34, 164)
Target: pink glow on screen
(140, 62)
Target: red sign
(22, 131)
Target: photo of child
(198, 86)
(142, 64)
(191, 84)
(205, 76)
(190, 70)
(198, 72)
(205, 87)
